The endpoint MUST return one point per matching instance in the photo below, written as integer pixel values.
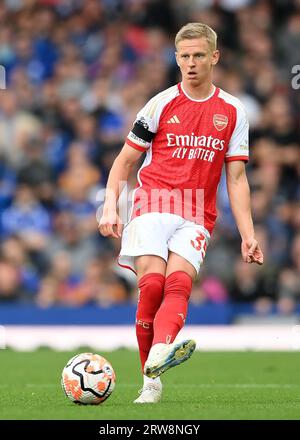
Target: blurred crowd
(77, 72)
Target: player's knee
(146, 264)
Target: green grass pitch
(223, 385)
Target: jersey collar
(197, 100)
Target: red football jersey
(187, 142)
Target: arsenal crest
(220, 122)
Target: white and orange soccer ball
(88, 379)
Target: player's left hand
(251, 251)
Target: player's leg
(170, 318)
(145, 250)
(151, 280)
(150, 270)
(171, 315)
(187, 250)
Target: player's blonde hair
(197, 30)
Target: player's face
(195, 60)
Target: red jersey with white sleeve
(186, 142)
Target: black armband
(140, 129)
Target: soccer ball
(88, 379)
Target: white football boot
(164, 356)
(151, 391)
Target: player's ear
(176, 56)
(215, 57)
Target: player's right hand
(110, 225)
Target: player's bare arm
(239, 196)
(110, 224)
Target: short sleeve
(238, 148)
(145, 126)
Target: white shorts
(158, 233)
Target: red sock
(172, 313)
(151, 288)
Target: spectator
(289, 281)
(69, 238)
(14, 253)
(10, 285)
(27, 219)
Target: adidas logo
(173, 120)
